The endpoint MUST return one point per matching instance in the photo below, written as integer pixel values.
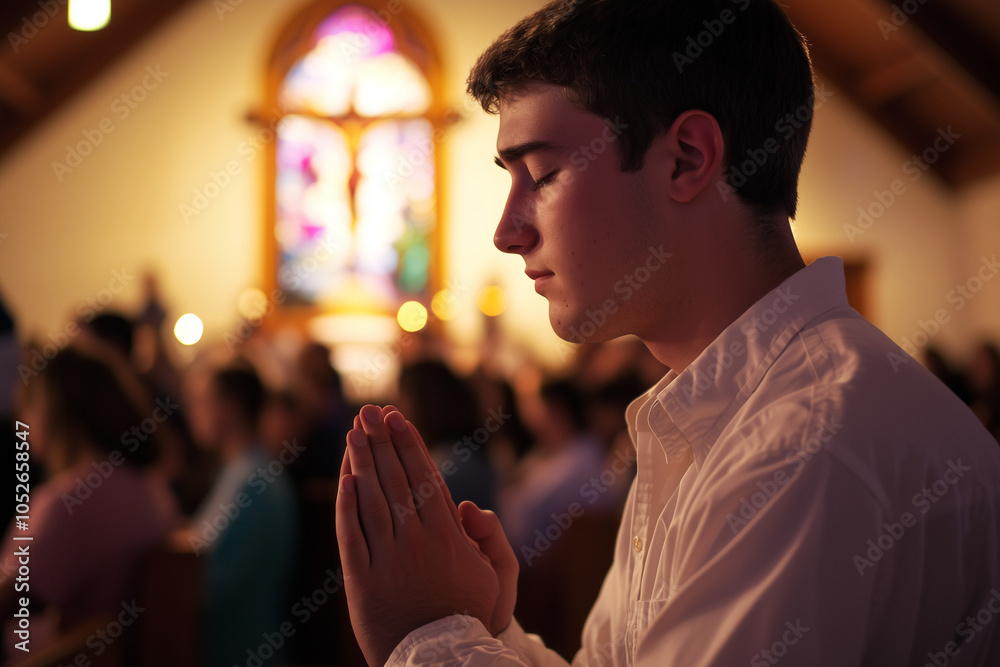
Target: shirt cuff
(516, 639)
(433, 643)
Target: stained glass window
(355, 180)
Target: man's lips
(535, 275)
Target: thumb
(484, 527)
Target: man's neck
(726, 293)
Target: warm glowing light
(492, 301)
(444, 305)
(188, 329)
(89, 15)
(412, 316)
(252, 304)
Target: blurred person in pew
(446, 410)
(104, 504)
(554, 476)
(247, 527)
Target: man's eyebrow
(515, 153)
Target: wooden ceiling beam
(961, 40)
(881, 86)
(89, 55)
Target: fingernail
(371, 414)
(396, 422)
(357, 438)
(348, 482)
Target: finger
(350, 538)
(345, 465)
(440, 478)
(423, 475)
(373, 510)
(392, 475)
(392, 408)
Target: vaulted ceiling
(917, 67)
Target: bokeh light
(412, 316)
(89, 15)
(492, 301)
(444, 305)
(189, 329)
(251, 303)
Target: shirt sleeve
(464, 641)
(767, 569)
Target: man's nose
(516, 232)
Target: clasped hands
(409, 561)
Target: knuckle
(375, 509)
(397, 485)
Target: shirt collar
(690, 409)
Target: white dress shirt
(807, 494)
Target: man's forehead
(541, 112)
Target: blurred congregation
(194, 501)
(202, 493)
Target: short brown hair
(648, 61)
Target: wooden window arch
(352, 222)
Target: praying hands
(410, 561)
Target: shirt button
(637, 543)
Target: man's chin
(592, 327)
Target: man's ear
(691, 152)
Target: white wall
(119, 209)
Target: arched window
(353, 212)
